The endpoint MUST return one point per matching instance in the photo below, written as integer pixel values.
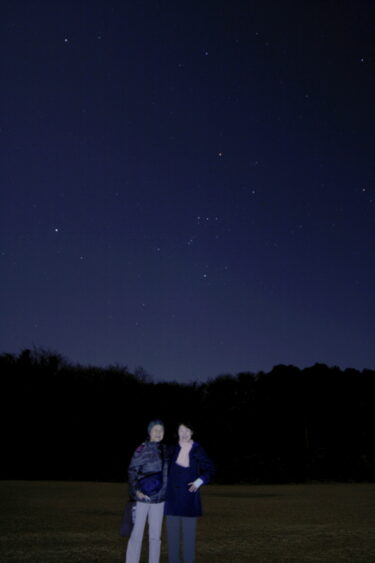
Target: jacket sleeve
(206, 466)
(165, 471)
(134, 469)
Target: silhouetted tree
(68, 421)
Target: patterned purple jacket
(148, 458)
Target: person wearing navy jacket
(189, 468)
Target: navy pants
(181, 531)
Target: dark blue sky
(189, 187)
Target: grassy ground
(48, 522)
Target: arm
(135, 468)
(206, 469)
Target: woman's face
(157, 433)
(184, 433)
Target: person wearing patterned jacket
(147, 482)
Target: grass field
(48, 522)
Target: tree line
(73, 422)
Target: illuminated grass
(47, 522)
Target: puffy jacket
(148, 458)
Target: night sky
(189, 186)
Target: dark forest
(72, 422)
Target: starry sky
(188, 186)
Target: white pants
(154, 512)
